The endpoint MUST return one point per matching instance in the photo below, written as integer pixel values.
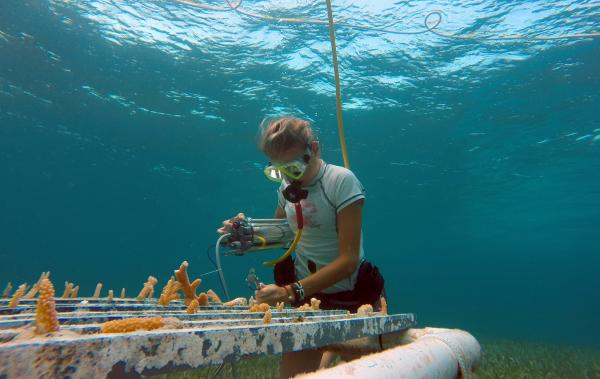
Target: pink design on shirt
(309, 213)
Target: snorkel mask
(292, 170)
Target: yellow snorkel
(300, 223)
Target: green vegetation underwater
(128, 133)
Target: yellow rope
(338, 94)
(288, 252)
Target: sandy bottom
(501, 359)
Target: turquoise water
(127, 134)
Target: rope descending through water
(338, 92)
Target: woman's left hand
(271, 294)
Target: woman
(328, 262)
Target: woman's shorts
(367, 290)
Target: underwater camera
(251, 235)
(257, 234)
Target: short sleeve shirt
(333, 189)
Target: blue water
(127, 134)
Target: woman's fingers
(228, 224)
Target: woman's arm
(279, 212)
(349, 224)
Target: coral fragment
(384, 306)
(169, 292)
(98, 290)
(14, 301)
(46, 318)
(148, 288)
(212, 296)
(139, 323)
(268, 317)
(365, 310)
(189, 289)
(193, 307)
(237, 301)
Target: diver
(328, 261)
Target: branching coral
(212, 296)
(315, 304)
(365, 310)
(262, 307)
(123, 293)
(267, 317)
(202, 298)
(110, 295)
(7, 290)
(189, 290)
(169, 292)
(251, 301)
(148, 288)
(33, 291)
(384, 306)
(46, 319)
(237, 301)
(74, 293)
(193, 307)
(279, 306)
(68, 289)
(17, 296)
(304, 307)
(98, 290)
(139, 323)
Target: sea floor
(501, 359)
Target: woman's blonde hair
(283, 133)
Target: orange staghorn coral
(139, 323)
(268, 317)
(279, 306)
(212, 296)
(202, 298)
(17, 296)
(262, 307)
(68, 289)
(148, 288)
(193, 307)
(74, 293)
(365, 310)
(315, 304)
(237, 301)
(169, 292)
(110, 295)
(304, 307)
(46, 318)
(123, 293)
(7, 290)
(189, 290)
(34, 290)
(384, 306)
(98, 290)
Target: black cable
(209, 256)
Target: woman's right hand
(228, 224)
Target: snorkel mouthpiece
(294, 192)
